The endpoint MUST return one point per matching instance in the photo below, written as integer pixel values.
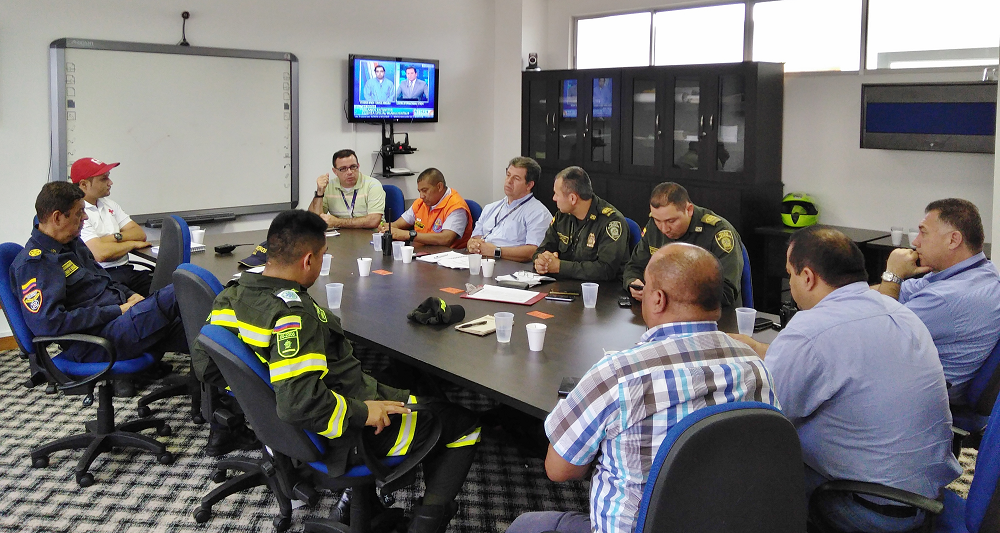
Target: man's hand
(475, 245)
(140, 244)
(322, 182)
(637, 294)
(132, 300)
(399, 234)
(547, 263)
(379, 411)
(903, 263)
(330, 220)
(758, 347)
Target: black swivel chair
(292, 458)
(102, 434)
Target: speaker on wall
(533, 61)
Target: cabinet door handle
(711, 121)
(586, 124)
(547, 121)
(657, 126)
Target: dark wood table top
(858, 235)
(374, 309)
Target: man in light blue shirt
(959, 297)
(513, 227)
(857, 374)
(379, 89)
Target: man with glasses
(514, 226)
(352, 199)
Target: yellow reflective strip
(336, 426)
(253, 335)
(297, 366)
(412, 399)
(407, 429)
(223, 317)
(467, 440)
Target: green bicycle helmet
(798, 210)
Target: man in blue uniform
(64, 290)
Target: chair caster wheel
(282, 523)
(219, 476)
(40, 462)
(198, 419)
(164, 430)
(88, 400)
(144, 411)
(85, 479)
(165, 458)
(388, 500)
(201, 515)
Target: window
(808, 35)
(932, 33)
(699, 35)
(615, 41)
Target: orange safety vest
(432, 220)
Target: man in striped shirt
(618, 415)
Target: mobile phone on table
(760, 324)
(559, 298)
(567, 385)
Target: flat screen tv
(942, 117)
(396, 89)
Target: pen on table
(561, 293)
(469, 325)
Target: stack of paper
(530, 279)
(447, 259)
(494, 293)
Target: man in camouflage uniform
(588, 237)
(318, 383)
(673, 218)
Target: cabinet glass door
(687, 122)
(732, 124)
(602, 130)
(644, 122)
(568, 121)
(538, 119)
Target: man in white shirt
(513, 227)
(108, 232)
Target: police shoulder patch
(34, 252)
(614, 230)
(726, 240)
(320, 312)
(33, 300)
(711, 220)
(289, 296)
(288, 342)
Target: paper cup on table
(589, 295)
(744, 320)
(364, 266)
(505, 326)
(334, 293)
(913, 234)
(536, 336)
(198, 236)
(407, 254)
(475, 261)
(397, 250)
(897, 235)
(487, 266)
(325, 269)
(377, 241)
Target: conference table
(374, 308)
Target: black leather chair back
(175, 248)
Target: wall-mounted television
(394, 89)
(940, 117)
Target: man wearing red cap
(108, 231)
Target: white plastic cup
(377, 241)
(325, 269)
(912, 235)
(334, 294)
(364, 266)
(475, 261)
(407, 254)
(488, 265)
(536, 336)
(589, 295)
(505, 326)
(198, 236)
(897, 235)
(397, 250)
(745, 317)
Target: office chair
(395, 205)
(72, 378)
(195, 289)
(292, 458)
(746, 282)
(475, 209)
(634, 234)
(734, 467)
(969, 420)
(980, 513)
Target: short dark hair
(340, 154)
(576, 180)
(962, 215)
(534, 170)
(56, 196)
(832, 255)
(379, 67)
(434, 175)
(410, 67)
(293, 233)
(669, 193)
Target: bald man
(683, 301)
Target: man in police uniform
(319, 384)
(673, 218)
(64, 290)
(588, 237)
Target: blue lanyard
(354, 200)
(496, 223)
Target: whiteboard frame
(57, 106)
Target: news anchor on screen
(379, 89)
(411, 88)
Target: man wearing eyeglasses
(352, 199)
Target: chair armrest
(882, 491)
(40, 352)
(384, 474)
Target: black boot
(223, 440)
(342, 511)
(432, 518)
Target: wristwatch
(319, 195)
(496, 253)
(891, 278)
(118, 237)
(413, 235)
